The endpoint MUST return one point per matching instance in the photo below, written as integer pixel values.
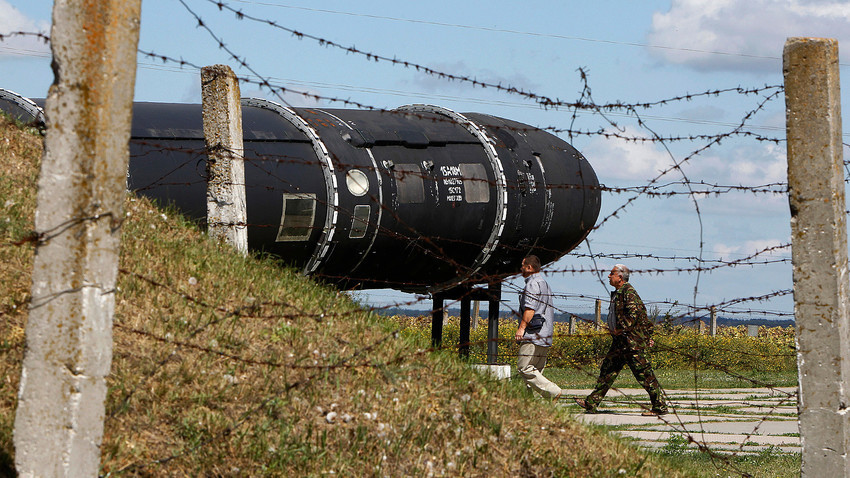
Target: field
(730, 353)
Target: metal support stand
(494, 290)
(437, 321)
(466, 295)
(463, 345)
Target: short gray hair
(623, 270)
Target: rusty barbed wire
(696, 152)
(346, 363)
(279, 91)
(197, 154)
(651, 189)
(607, 134)
(718, 264)
(635, 255)
(543, 100)
(38, 35)
(243, 417)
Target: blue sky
(633, 52)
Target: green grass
(770, 463)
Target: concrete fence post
(819, 253)
(476, 313)
(80, 202)
(222, 113)
(752, 331)
(598, 322)
(713, 329)
(572, 325)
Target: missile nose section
(419, 199)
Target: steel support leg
(437, 321)
(494, 289)
(463, 343)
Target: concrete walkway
(739, 421)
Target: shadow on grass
(7, 464)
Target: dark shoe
(654, 413)
(583, 404)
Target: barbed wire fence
(660, 187)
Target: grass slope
(231, 366)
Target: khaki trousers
(530, 363)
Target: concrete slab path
(731, 421)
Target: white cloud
(761, 164)
(748, 248)
(12, 20)
(620, 163)
(748, 164)
(630, 161)
(759, 245)
(744, 164)
(725, 250)
(743, 30)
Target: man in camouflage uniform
(631, 332)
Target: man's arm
(527, 314)
(531, 303)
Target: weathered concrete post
(572, 325)
(752, 331)
(713, 329)
(226, 213)
(598, 314)
(81, 192)
(819, 253)
(476, 313)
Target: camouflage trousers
(619, 355)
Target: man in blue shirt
(535, 305)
